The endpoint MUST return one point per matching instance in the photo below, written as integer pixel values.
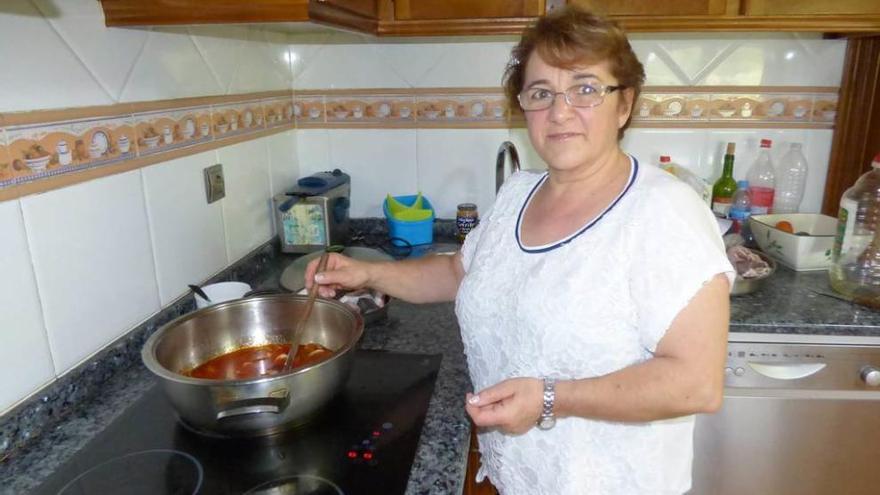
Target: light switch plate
(215, 186)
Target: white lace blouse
(592, 303)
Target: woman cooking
(593, 297)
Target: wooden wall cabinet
(490, 17)
(407, 10)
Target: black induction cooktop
(363, 442)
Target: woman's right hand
(342, 273)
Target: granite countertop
(788, 303)
(801, 303)
(441, 456)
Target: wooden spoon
(307, 311)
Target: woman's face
(567, 137)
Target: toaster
(315, 213)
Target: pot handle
(273, 405)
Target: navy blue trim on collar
(634, 172)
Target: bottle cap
(731, 148)
(742, 184)
(766, 143)
(665, 159)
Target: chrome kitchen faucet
(506, 147)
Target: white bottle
(762, 180)
(791, 180)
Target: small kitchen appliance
(315, 213)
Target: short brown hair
(570, 37)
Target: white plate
(776, 109)
(100, 141)
(293, 277)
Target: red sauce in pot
(254, 362)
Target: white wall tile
(93, 263)
(313, 150)
(24, 348)
(262, 66)
(528, 157)
(41, 70)
(683, 146)
(380, 162)
(283, 166)
(657, 71)
(187, 233)
(784, 60)
(170, 66)
(348, 66)
(464, 172)
(478, 64)
(108, 53)
(411, 61)
(247, 205)
(305, 48)
(220, 46)
(283, 161)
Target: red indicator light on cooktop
(352, 454)
(376, 433)
(368, 455)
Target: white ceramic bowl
(222, 291)
(38, 164)
(809, 251)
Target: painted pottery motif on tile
(825, 108)
(5, 163)
(364, 109)
(46, 150)
(308, 110)
(278, 111)
(461, 108)
(169, 129)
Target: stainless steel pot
(262, 405)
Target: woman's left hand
(513, 406)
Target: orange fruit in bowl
(785, 226)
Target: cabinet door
(811, 7)
(658, 8)
(405, 10)
(364, 8)
(357, 15)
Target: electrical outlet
(215, 186)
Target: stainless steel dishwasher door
(796, 420)
(772, 445)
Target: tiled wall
(79, 266)
(83, 264)
(453, 166)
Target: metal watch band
(548, 420)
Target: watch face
(547, 423)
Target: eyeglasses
(581, 96)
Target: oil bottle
(855, 259)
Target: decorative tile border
(40, 145)
(46, 150)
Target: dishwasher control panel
(804, 366)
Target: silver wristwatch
(547, 419)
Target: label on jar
(721, 206)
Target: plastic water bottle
(740, 210)
(854, 267)
(762, 180)
(791, 180)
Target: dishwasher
(801, 416)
